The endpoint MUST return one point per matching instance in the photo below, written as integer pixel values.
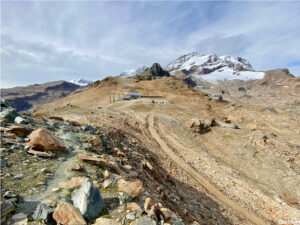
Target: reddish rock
(56, 118)
(20, 131)
(77, 167)
(67, 214)
(133, 188)
(73, 182)
(42, 139)
(93, 160)
(74, 123)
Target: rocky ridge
(61, 172)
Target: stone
(44, 212)
(93, 160)
(9, 135)
(133, 188)
(67, 214)
(145, 220)
(26, 147)
(74, 123)
(58, 118)
(120, 154)
(43, 140)
(45, 170)
(105, 221)
(20, 131)
(20, 120)
(88, 200)
(9, 194)
(131, 216)
(107, 184)
(77, 167)
(106, 174)
(166, 213)
(9, 114)
(132, 206)
(18, 219)
(149, 204)
(73, 182)
(6, 208)
(3, 163)
(41, 154)
(96, 141)
(69, 137)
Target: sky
(44, 41)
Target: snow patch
(81, 82)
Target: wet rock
(105, 221)
(93, 160)
(9, 114)
(44, 212)
(145, 220)
(69, 137)
(88, 200)
(42, 139)
(133, 188)
(73, 182)
(18, 219)
(67, 214)
(132, 206)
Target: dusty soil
(226, 176)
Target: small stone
(44, 212)
(19, 176)
(105, 221)
(132, 206)
(107, 183)
(93, 160)
(134, 188)
(131, 216)
(67, 214)
(106, 174)
(77, 167)
(145, 220)
(45, 170)
(26, 147)
(20, 120)
(73, 182)
(9, 194)
(120, 154)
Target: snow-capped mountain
(213, 68)
(81, 82)
(133, 72)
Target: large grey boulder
(43, 212)
(9, 114)
(88, 200)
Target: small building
(133, 95)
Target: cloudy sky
(44, 41)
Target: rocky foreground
(61, 172)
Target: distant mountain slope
(28, 97)
(153, 72)
(213, 68)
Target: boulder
(42, 139)
(9, 114)
(105, 221)
(44, 212)
(133, 188)
(67, 214)
(145, 220)
(88, 200)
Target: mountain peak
(153, 72)
(81, 82)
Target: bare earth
(225, 176)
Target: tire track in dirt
(199, 179)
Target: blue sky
(44, 41)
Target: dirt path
(200, 179)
